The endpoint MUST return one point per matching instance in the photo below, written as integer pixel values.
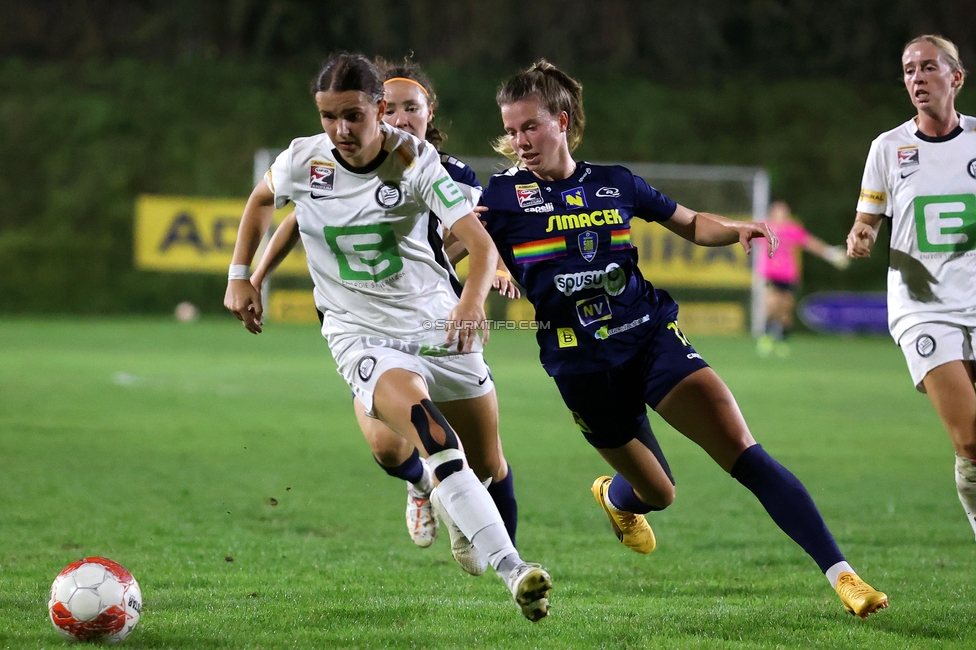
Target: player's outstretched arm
(863, 234)
(707, 229)
(282, 242)
(241, 298)
(469, 314)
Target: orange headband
(409, 81)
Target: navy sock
(788, 503)
(503, 494)
(411, 470)
(623, 497)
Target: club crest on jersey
(529, 195)
(574, 198)
(321, 178)
(907, 156)
(971, 168)
(388, 195)
(587, 244)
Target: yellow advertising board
(292, 306)
(667, 260)
(186, 234)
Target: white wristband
(239, 272)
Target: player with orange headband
(410, 105)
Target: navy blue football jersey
(568, 244)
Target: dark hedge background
(102, 101)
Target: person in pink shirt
(782, 274)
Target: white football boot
(530, 585)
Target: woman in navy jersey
(611, 341)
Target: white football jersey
(366, 237)
(928, 188)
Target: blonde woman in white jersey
(402, 339)
(922, 175)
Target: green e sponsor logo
(364, 252)
(946, 224)
(448, 192)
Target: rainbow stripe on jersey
(619, 240)
(539, 250)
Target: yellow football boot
(630, 528)
(858, 597)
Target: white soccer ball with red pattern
(95, 599)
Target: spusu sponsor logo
(613, 279)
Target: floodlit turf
(166, 446)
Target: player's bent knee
(658, 498)
(440, 460)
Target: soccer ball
(95, 599)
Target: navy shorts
(609, 405)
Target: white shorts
(448, 378)
(929, 345)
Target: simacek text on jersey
(488, 323)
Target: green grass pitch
(166, 446)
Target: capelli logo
(608, 192)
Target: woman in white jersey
(410, 105)
(922, 175)
(402, 339)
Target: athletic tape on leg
(419, 417)
(436, 460)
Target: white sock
(470, 506)
(426, 482)
(966, 488)
(833, 573)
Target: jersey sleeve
(279, 178)
(650, 204)
(874, 197)
(438, 190)
(467, 181)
